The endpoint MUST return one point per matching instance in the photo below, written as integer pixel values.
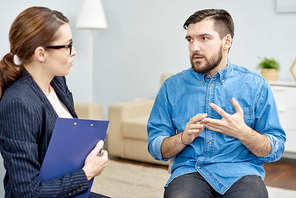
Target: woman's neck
(40, 76)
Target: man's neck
(221, 66)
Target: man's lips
(197, 57)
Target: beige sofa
(88, 111)
(127, 135)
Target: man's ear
(40, 54)
(227, 42)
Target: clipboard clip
(75, 124)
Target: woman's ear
(227, 42)
(40, 54)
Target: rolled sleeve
(268, 123)
(277, 149)
(155, 148)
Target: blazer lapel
(64, 96)
(39, 93)
(60, 91)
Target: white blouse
(57, 105)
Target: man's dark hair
(223, 20)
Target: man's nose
(195, 46)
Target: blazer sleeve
(19, 128)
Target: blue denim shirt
(220, 159)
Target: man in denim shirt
(216, 121)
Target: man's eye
(189, 39)
(205, 38)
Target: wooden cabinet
(285, 96)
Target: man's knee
(248, 186)
(177, 193)
(190, 185)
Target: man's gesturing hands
(232, 125)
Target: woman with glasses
(33, 94)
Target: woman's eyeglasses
(69, 46)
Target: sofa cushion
(89, 111)
(135, 128)
(137, 150)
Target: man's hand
(235, 126)
(193, 128)
(173, 145)
(232, 125)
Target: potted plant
(269, 69)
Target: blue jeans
(193, 185)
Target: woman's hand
(96, 161)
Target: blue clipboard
(71, 142)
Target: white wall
(145, 39)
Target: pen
(100, 153)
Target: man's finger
(219, 110)
(236, 106)
(212, 121)
(213, 127)
(192, 131)
(198, 117)
(195, 126)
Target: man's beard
(212, 63)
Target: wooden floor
(281, 174)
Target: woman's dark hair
(223, 20)
(32, 28)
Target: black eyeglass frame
(69, 46)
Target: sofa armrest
(133, 109)
(119, 112)
(89, 111)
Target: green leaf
(269, 63)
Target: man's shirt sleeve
(267, 122)
(160, 125)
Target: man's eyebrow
(198, 35)
(187, 36)
(206, 34)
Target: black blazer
(27, 120)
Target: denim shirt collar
(221, 75)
